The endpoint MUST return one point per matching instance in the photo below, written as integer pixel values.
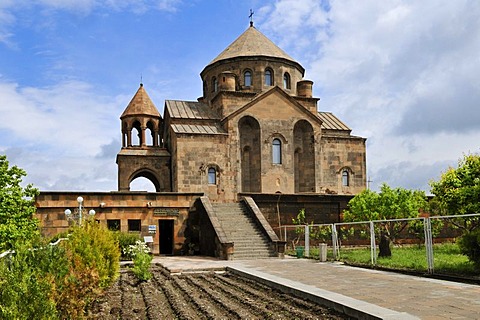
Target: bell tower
(142, 153)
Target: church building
(255, 129)
(256, 136)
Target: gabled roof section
(141, 104)
(252, 43)
(331, 122)
(190, 110)
(275, 89)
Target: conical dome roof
(141, 104)
(252, 43)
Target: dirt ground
(207, 295)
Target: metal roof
(190, 110)
(197, 128)
(330, 122)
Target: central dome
(252, 43)
(251, 64)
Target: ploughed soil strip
(206, 295)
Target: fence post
(427, 226)
(285, 233)
(307, 240)
(334, 241)
(373, 245)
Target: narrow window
(212, 176)
(268, 78)
(134, 225)
(214, 84)
(276, 151)
(113, 224)
(247, 78)
(286, 80)
(345, 178)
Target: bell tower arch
(143, 153)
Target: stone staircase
(241, 229)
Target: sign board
(148, 239)
(163, 212)
(152, 228)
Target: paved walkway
(408, 296)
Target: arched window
(136, 134)
(286, 81)
(345, 178)
(212, 176)
(276, 151)
(214, 84)
(247, 77)
(268, 77)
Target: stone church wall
(195, 155)
(338, 153)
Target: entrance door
(165, 232)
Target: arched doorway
(142, 184)
(249, 130)
(304, 157)
(143, 181)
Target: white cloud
(69, 113)
(65, 135)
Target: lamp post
(77, 212)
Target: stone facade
(148, 214)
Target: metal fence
(345, 235)
(9, 252)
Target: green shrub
(141, 266)
(58, 282)
(126, 239)
(141, 260)
(469, 245)
(93, 256)
(28, 285)
(97, 248)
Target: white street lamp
(77, 212)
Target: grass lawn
(447, 258)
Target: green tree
(458, 191)
(389, 203)
(17, 223)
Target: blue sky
(403, 74)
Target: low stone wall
(280, 209)
(149, 208)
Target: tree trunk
(384, 246)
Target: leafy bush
(93, 253)
(27, 288)
(126, 239)
(469, 245)
(141, 260)
(97, 248)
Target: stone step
(238, 256)
(248, 239)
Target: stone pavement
(378, 293)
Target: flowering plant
(133, 250)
